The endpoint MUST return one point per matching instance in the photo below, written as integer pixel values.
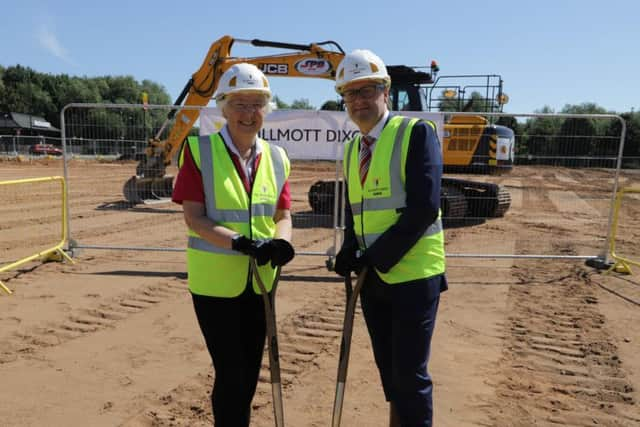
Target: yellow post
(621, 264)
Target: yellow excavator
(312, 61)
(470, 142)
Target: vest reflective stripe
(238, 215)
(202, 245)
(220, 272)
(433, 229)
(376, 205)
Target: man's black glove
(348, 260)
(282, 252)
(345, 258)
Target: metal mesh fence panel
(104, 146)
(31, 213)
(553, 176)
(558, 184)
(628, 221)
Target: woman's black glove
(282, 252)
(243, 245)
(279, 251)
(259, 249)
(263, 251)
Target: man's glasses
(365, 92)
(245, 107)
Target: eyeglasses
(365, 92)
(243, 107)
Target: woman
(234, 190)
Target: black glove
(279, 251)
(243, 245)
(349, 260)
(361, 261)
(345, 259)
(282, 252)
(263, 251)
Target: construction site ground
(112, 340)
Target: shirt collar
(377, 129)
(226, 137)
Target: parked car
(45, 149)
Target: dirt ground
(112, 339)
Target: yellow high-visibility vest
(220, 272)
(376, 205)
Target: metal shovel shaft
(272, 342)
(345, 344)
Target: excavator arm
(311, 60)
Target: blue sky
(548, 52)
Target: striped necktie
(365, 156)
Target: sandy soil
(112, 340)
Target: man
(234, 190)
(393, 227)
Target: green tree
(331, 106)
(301, 104)
(539, 132)
(280, 104)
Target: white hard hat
(361, 64)
(242, 77)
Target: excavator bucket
(148, 190)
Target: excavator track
(459, 199)
(453, 204)
(484, 200)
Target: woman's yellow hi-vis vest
(376, 205)
(219, 272)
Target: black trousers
(234, 330)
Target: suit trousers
(400, 319)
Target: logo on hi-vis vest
(377, 190)
(262, 194)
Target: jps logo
(275, 68)
(313, 67)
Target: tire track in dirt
(303, 337)
(83, 321)
(559, 363)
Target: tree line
(544, 140)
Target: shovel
(272, 341)
(345, 344)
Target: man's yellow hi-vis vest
(376, 205)
(219, 272)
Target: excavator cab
(471, 143)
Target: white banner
(307, 134)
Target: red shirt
(189, 181)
